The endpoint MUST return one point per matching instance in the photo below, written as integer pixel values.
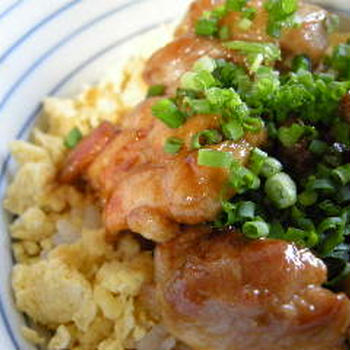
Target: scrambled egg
(79, 291)
(53, 294)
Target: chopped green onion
(318, 147)
(281, 190)
(233, 130)
(271, 167)
(301, 62)
(207, 26)
(221, 98)
(218, 12)
(321, 185)
(307, 198)
(306, 224)
(253, 124)
(290, 135)
(329, 207)
(331, 223)
(198, 106)
(242, 179)
(235, 5)
(340, 60)
(270, 52)
(73, 138)
(224, 33)
(249, 13)
(205, 137)
(156, 90)
(341, 130)
(276, 230)
(256, 229)
(302, 237)
(281, 15)
(214, 158)
(167, 111)
(246, 210)
(245, 24)
(334, 227)
(342, 174)
(173, 145)
(230, 211)
(272, 130)
(205, 63)
(332, 23)
(198, 81)
(343, 195)
(257, 160)
(297, 213)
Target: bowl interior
(54, 48)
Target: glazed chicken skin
(144, 189)
(219, 291)
(168, 64)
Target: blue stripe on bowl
(8, 327)
(32, 30)
(10, 9)
(61, 43)
(36, 111)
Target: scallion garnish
(173, 145)
(257, 160)
(167, 111)
(233, 130)
(281, 15)
(317, 142)
(73, 138)
(198, 81)
(205, 63)
(326, 185)
(214, 158)
(301, 62)
(303, 237)
(246, 210)
(342, 174)
(253, 124)
(307, 198)
(335, 228)
(255, 229)
(332, 23)
(156, 90)
(224, 33)
(290, 135)
(205, 137)
(207, 26)
(329, 208)
(235, 5)
(281, 190)
(271, 167)
(245, 24)
(242, 179)
(318, 147)
(269, 52)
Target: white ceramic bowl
(53, 47)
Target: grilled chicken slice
(146, 190)
(256, 32)
(309, 38)
(219, 291)
(168, 64)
